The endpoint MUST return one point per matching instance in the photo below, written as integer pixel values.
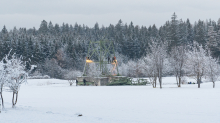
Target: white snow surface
(54, 101)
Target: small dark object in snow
(80, 115)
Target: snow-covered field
(54, 101)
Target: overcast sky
(30, 13)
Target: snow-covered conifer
(200, 35)
(43, 27)
(51, 28)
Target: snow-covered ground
(172, 80)
(54, 101)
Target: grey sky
(30, 13)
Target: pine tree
(2, 55)
(34, 31)
(96, 32)
(5, 35)
(71, 28)
(5, 48)
(63, 28)
(190, 34)
(30, 48)
(119, 37)
(174, 32)
(37, 56)
(4, 30)
(43, 27)
(67, 28)
(200, 35)
(154, 31)
(57, 29)
(182, 33)
(51, 28)
(144, 41)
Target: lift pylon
(103, 54)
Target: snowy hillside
(54, 101)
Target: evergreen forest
(57, 49)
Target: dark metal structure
(102, 53)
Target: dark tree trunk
(2, 97)
(155, 82)
(160, 83)
(179, 82)
(14, 101)
(2, 101)
(16, 98)
(213, 84)
(198, 80)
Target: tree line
(57, 49)
(183, 61)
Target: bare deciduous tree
(150, 70)
(212, 69)
(71, 75)
(196, 64)
(178, 61)
(158, 55)
(16, 75)
(3, 80)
